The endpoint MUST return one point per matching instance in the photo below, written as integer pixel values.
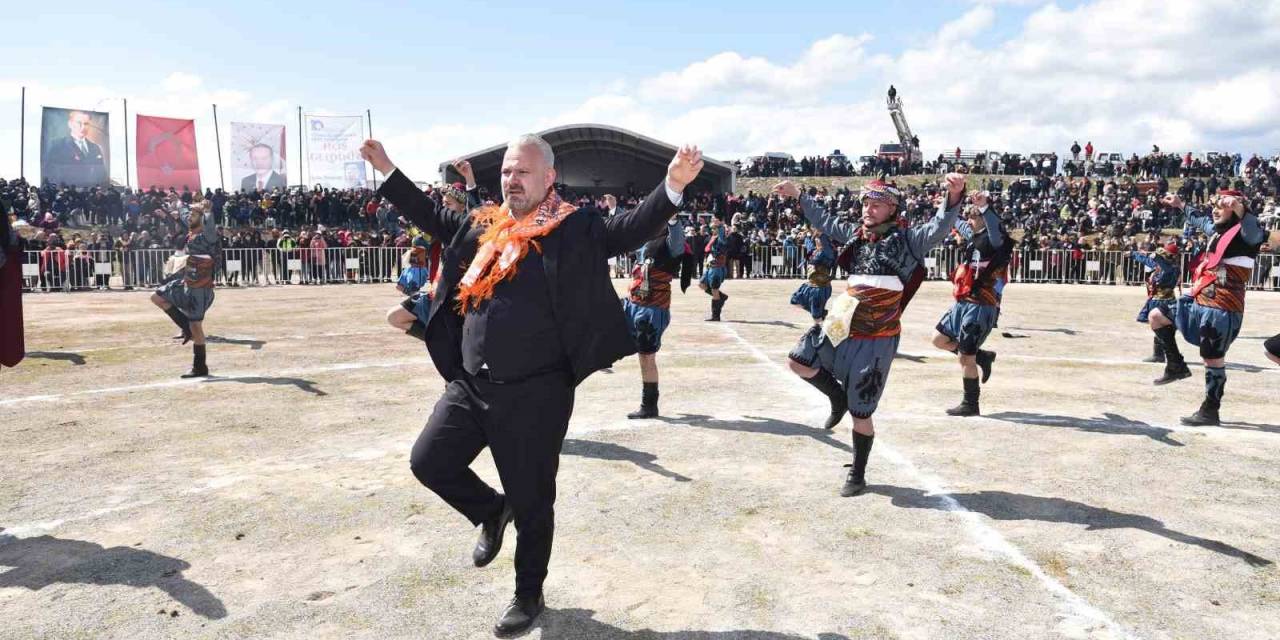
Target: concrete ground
(275, 500)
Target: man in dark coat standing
(524, 311)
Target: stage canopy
(598, 158)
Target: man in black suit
(262, 157)
(531, 317)
(76, 160)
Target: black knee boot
(1157, 351)
(1215, 384)
(856, 481)
(199, 368)
(648, 402)
(830, 387)
(179, 318)
(969, 407)
(716, 306)
(1175, 368)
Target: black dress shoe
(491, 533)
(519, 615)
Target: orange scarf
(504, 244)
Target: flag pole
(300, 180)
(127, 181)
(22, 137)
(217, 140)
(369, 114)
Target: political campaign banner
(258, 157)
(333, 151)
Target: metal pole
(300, 180)
(217, 140)
(369, 114)
(22, 136)
(128, 183)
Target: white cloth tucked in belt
(889, 283)
(1240, 261)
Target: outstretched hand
(684, 167)
(980, 199)
(1172, 200)
(464, 169)
(374, 154)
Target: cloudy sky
(738, 78)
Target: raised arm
(924, 237)
(1143, 259)
(1250, 229)
(628, 231)
(992, 221)
(400, 191)
(1192, 220)
(463, 167)
(828, 223)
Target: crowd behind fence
(148, 268)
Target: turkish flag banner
(167, 153)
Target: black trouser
(523, 424)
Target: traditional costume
(419, 302)
(855, 345)
(978, 287)
(648, 302)
(189, 290)
(1162, 280)
(717, 252)
(812, 296)
(1211, 316)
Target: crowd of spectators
(1046, 206)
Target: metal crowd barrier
(61, 270)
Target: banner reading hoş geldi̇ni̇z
(333, 151)
(167, 153)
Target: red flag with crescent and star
(167, 153)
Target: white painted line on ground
(33, 528)
(268, 340)
(984, 534)
(939, 356)
(342, 366)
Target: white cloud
(730, 75)
(1184, 74)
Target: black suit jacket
(66, 164)
(274, 181)
(575, 256)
